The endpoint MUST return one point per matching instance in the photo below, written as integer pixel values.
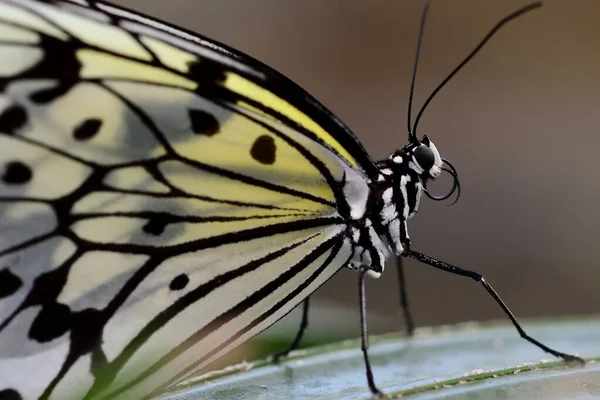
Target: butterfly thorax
(394, 198)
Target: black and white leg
(363, 332)
(477, 277)
(404, 306)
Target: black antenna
(487, 37)
(412, 136)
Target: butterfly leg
(404, 306)
(363, 332)
(294, 345)
(477, 277)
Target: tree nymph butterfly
(164, 198)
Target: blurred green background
(520, 124)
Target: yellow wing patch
(238, 84)
(169, 55)
(99, 65)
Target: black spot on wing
(16, 173)
(179, 282)
(12, 119)
(86, 335)
(206, 72)
(210, 77)
(203, 123)
(87, 129)
(60, 64)
(263, 150)
(48, 95)
(53, 321)
(9, 284)
(155, 226)
(47, 287)
(10, 394)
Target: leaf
(467, 361)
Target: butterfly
(164, 198)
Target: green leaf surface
(468, 361)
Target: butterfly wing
(162, 200)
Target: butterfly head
(422, 158)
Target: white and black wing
(162, 200)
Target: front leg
(404, 306)
(477, 277)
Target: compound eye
(424, 157)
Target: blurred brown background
(520, 124)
